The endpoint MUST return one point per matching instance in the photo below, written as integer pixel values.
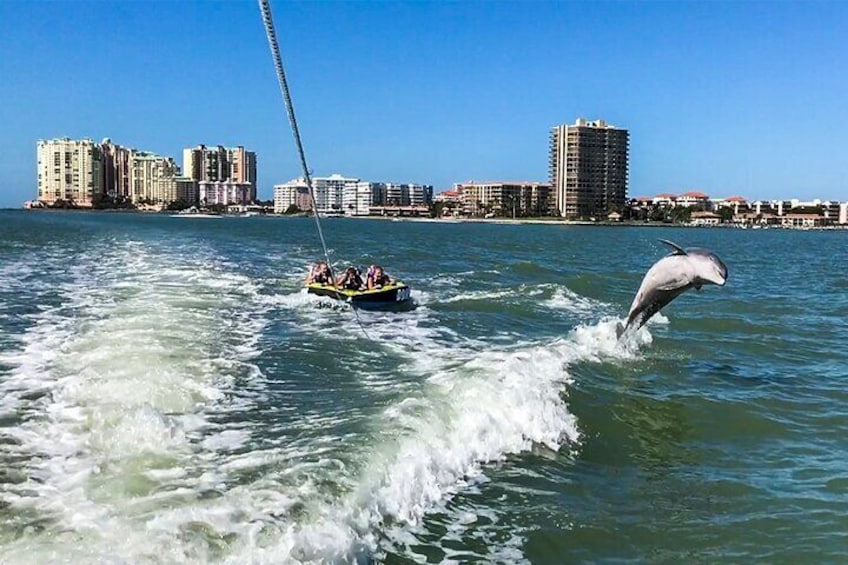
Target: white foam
(564, 299)
(128, 456)
(478, 295)
(111, 388)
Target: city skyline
(726, 99)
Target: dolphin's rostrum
(670, 277)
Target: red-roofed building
(739, 204)
(448, 196)
(692, 198)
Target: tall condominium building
(242, 165)
(329, 193)
(358, 197)
(117, 164)
(70, 171)
(151, 176)
(220, 163)
(588, 168)
(510, 199)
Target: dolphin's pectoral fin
(677, 250)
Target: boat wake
(151, 419)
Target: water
(169, 394)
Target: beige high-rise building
(221, 164)
(70, 171)
(150, 178)
(204, 163)
(242, 165)
(511, 199)
(588, 167)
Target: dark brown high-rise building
(589, 168)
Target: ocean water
(169, 394)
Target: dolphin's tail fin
(619, 330)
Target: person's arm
(370, 283)
(309, 276)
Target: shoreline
(552, 221)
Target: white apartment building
(358, 197)
(329, 193)
(69, 171)
(210, 193)
(293, 193)
(405, 194)
(337, 194)
(420, 194)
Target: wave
(136, 438)
(115, 397)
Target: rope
(265, 8)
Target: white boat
(194, 213)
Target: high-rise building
(204, 163)
(588, 167)
(242, 165)
(358, 197)
(329, 193)
(117, 163)
(70, 171)
(221, 164)
(150, 178)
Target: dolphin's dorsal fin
(677, 249)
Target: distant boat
(194, 213)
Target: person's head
(351, 272)
(378, 271)
(322, 267)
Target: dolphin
(670, 277)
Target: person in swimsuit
(350, 280)
(320, 274)
(379, 279)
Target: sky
(729, 98)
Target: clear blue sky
(728, 98)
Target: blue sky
(728, 98)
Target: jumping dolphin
(670, 277)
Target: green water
(170, 394)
